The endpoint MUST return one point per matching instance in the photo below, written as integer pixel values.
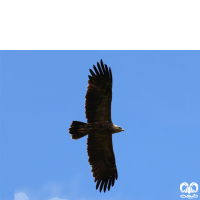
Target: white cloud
(21, 196)
(56, 198)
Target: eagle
(99, 127)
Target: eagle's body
(99, 127)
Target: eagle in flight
(99, 127)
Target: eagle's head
(117, 129)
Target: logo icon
(192, 188)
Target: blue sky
(155, 100)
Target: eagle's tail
(78, 130)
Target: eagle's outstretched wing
(99, 94)
(102, 160)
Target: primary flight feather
(99, 127)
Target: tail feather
(78, 130)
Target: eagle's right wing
(99, 94)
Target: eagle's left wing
(102, 160)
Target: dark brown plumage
(99, 127)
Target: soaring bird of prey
(99, 127)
